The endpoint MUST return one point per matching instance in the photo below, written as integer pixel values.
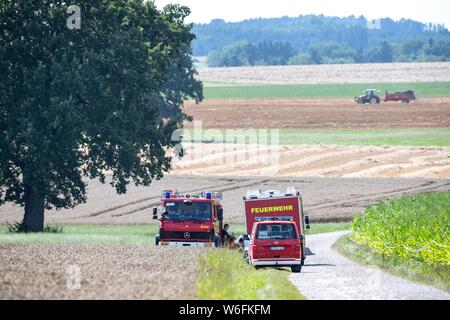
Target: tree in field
(79, 102)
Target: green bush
(412, 227)
(18, 227)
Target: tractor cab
(369, 96)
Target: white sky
(436, 11)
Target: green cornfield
(412, 227)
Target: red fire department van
(276, 224)
(189, 220)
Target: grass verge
(224, 275)
(317, 228)
(409, 236)
(87, 233)
(312, 91)
(420, 137)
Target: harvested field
(105, 272)
(346, 73)
(325, 199)
(314, 161)
(320, 114)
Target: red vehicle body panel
(262, 248)
(282, 210)
(272, 207)
(199, 231)
(400, 96)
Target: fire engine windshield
(188, 211)
(276, 231)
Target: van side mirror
(220, 214)
(307, 225)
(155, 213)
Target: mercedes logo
(187, 235)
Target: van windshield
(188, 211)
(276, 231)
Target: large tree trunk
(33, 220)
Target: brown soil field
(325, 199)
(320, 114)
(344, 73)
(61, 271)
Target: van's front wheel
(296, 269)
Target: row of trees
(244, 53)
(357, 35)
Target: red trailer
(404, 97)
(276, 224)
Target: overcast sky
(436, 11)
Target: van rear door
(276, 241)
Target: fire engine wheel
(157, 240)
(303, 262)
(296, 269)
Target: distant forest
(315, 39)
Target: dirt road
(325, 199)
(326, 114)
(329, 275)
(63, 271)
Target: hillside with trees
(314, 39)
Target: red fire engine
(189, 220)
(276, 224)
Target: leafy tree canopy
(83, 102)
(245, 53)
